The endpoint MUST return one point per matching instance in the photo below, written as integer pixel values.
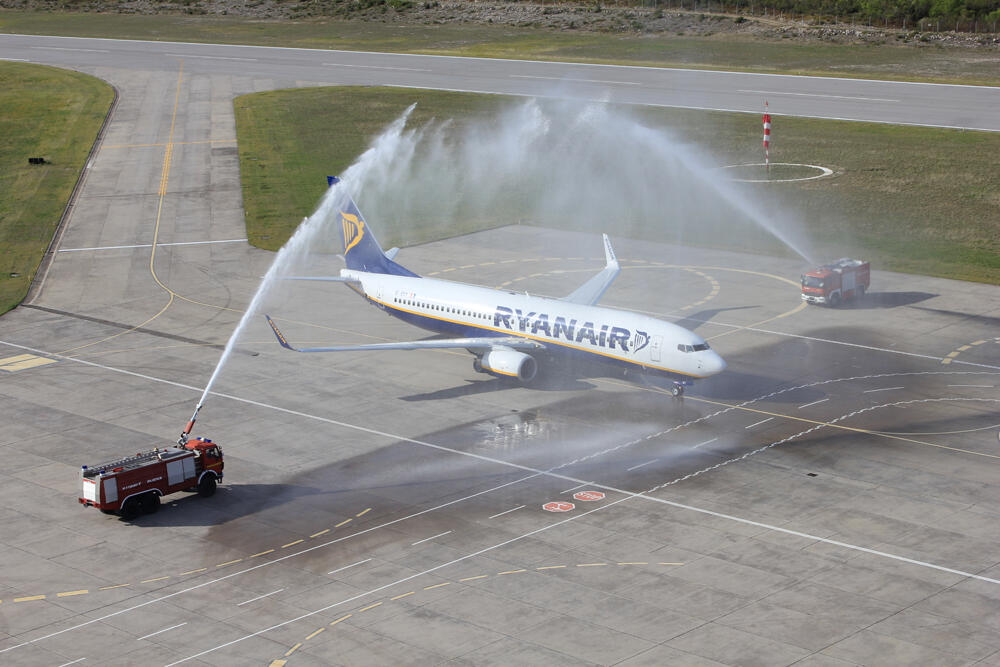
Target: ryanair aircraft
(508, 332)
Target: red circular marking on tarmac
(588, 496)
(558, 506)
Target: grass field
(50, 113)
(910, 199)
(720, 51)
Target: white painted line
(566, 78)
(399, 69)
(707, 442)
(513, 509)
(341, 569)
(870, 391)
(159, 632)
(979, 386)
(64, 48)
(24, 60)
(813, 403)
(67, 664)
(574, 488)
(759, 423)
(640, 465)
(150, 245)
(428, 539)
(259, 597)
(837, 97)
(395, 438)
(188, 55)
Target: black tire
(108, 512)
(677, 390)
(130, 509)
(834, 300)
(150, 503)
(206, 487)
(860, 292)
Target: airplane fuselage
(620, 337)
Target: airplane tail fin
(362, 251)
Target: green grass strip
(49, 113)
(912, 199)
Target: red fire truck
(837, 282)
(133, 485)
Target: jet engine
(508, 362)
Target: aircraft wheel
(677, 390)
(477, 365)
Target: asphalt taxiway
(829, 499)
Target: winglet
(278, 334)
(609, 253)
(591, 291)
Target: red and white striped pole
(767, 138)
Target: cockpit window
(701, 348)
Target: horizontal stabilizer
(589, 293)
(483, 344)
(329, 279)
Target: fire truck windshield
(811, 281)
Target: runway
(830, 498)
(934, 105)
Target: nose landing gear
(677, 390)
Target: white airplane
(507, 331)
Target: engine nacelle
(510, 363)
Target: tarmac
(829, 499)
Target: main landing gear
(677, 390)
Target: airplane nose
(714, 364)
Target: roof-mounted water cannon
(190, 425)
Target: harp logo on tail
(354, 230)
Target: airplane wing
(589, 293)
(483, 344)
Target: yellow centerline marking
(550, 567)
(343, 523)
(364, 512)
(500, 574)
(293, 649)
(342, 618)
(108, 588)
(177, 143)
(200, 569)
(481, 576)
(29, 598)
(635, 563)
(590, 564)
(71, 593)
(263, 553)
(322, 532)
(371, 606)
(149, 581)
(400, 597)
(229, 562)
(291, 544)
(427, 588)
(164, 177)
(314, 634)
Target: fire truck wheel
(861, 292)
(150, 503)
(108, 512)
(130, 510)
(206, 487)
(834, 300)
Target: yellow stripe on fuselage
(530, 337)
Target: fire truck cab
(837, 282)
(133, 485)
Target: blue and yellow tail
(361, 250)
